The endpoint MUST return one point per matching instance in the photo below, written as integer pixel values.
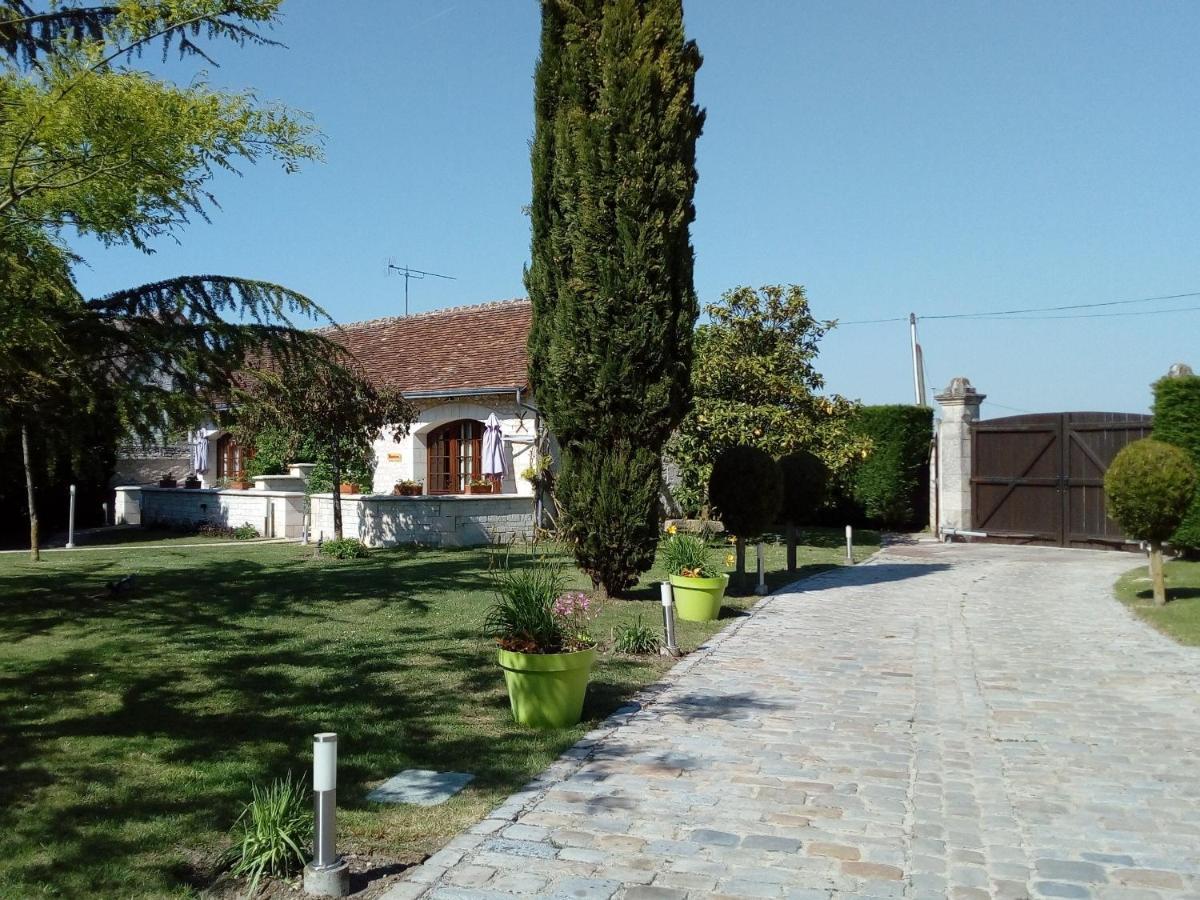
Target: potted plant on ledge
(168, 481)
(241, 482)
(348, 487)
(481, 486)
(698, 586)
(546, 650)
(408, 488)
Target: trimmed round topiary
(805, 487)
(1149, 487)
(746, 488)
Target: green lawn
(132, 727)
(1180, 618)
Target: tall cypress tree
(610, 278)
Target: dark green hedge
(1177, 421)
(890, 488)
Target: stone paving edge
(426, 876)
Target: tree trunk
(35, 552)
(791, 547)
(336, 466)
(740, 549)
(1156, 575)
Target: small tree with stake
(746, 488)
(329, 407)
(1149, 487)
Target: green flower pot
(546, 690)
(698, 599)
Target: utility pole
(918, 361)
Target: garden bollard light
(71, 521)
(849, 545)
(761, 589)
(668, 603)
(328, 875)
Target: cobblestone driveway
(945, 721)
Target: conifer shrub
(1177, 421)
(746, 489)
(613, 161)
(608, 497)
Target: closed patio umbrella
(493, 448)
(200, 452)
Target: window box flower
(482, 486)
(408, 489)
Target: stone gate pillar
(952, 475)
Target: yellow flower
(730, 559)
(671, 529)
(732, 539)
(864, 454)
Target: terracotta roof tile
(481, 346)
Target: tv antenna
(418, 274)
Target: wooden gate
(1039, 478)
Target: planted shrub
(246, 532)
(891, 485)
(746, 488)
(636, 638)
(1177, 421)
(271, 832)
(689, 556)
(805, 489)
(532, 613)
(346, 548)
(1149, 487)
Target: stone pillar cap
(959, 391)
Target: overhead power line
(1016, 313)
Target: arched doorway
(454, 454)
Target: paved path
(965, 722)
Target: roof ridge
(427, 314)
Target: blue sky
(927, 157)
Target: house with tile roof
(458, 366)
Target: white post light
(761, 589)
(71, 521)
(328, 875)
(668, 603)
(849, 545)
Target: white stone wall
(404, 460)
(387, 521)
(273, 513)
